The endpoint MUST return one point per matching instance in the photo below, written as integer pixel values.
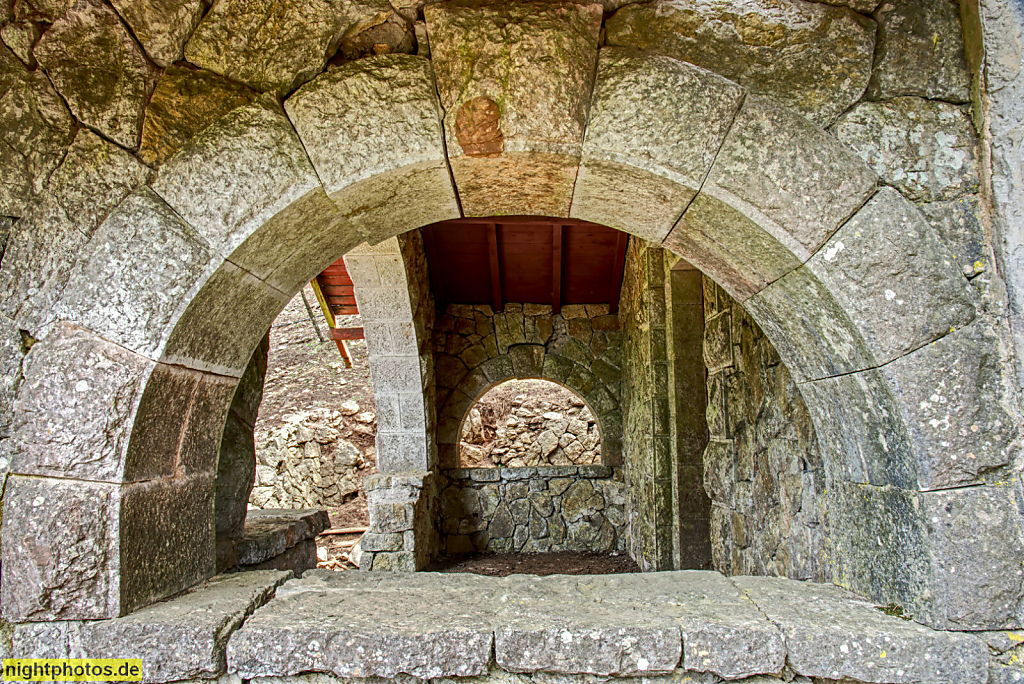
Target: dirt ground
(559, 563)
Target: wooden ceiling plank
(615, 277)
(556, 268)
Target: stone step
(433, 625)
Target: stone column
(392, 289)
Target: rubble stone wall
(533, 510)
(762, 466)
(476, 348)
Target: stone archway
(150, 346)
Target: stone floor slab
(834, 634)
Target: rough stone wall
(533, 510)
(646, 422)
(476, 348)
(236, 462)
(535, 434)
(762, 467)
(306, 463)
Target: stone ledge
(181, 638)
(272, 531)
(432, 625)
(590, 472)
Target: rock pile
(537, 433)
(306, 462)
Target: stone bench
(281, 539)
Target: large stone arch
(189, 271)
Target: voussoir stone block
(954, 395)
(515, 82)
(977, 546)
(896, 282)
(372, 129)
(924, 148)
(139, 269)
(60, 550)
(36, 129)
(50, 238)
(99, 69)
(639, 172)
(368, 624)
(920, 52)
(75, 409)
(830, 633)
(807, 56)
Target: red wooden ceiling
(529, 259)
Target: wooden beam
(348, 334)
(615, 277)
(492, 248)
(324, 306)
(436, 279)
(556, 268)
(343, 350)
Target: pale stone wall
(762, 467)
(533, 510)
(476, 348)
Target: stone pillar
(392, 289)
(236, 465)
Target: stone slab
(834, 634)
(272, 531)
(182, 638)
(369, 624)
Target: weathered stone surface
(959, 227)
(920, 52)
(10, 69)
(135, 275)
(548, 624)
(976, 540)
(20, 38)
(269, 532)
(368, 624)
(12, 352)
(47, 11)
(537, 78)
(893, 278)
(830, 633)
(809, 57)
(37, 128)
(382, 189)
(161, 26)
(954, 399)
(926, 149)
(638, 174)
(177, 639)
(184, 102)
(75, 378)
(100, 70)
(276, 45)
(60, 550)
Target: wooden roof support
(556, 269)
(492, 248)
(615, 277)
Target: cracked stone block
(926, 149)
(142, 265)
(959, 227)
(198, 624)
(20, 38)
(392, 624)
(896, 282)
(11, 355)
(515, 101)
(100, 70)
(920, 52)
(185, 101)
(832, 633)
(162, 26)
(36, 129)
(76, 378)
(809, 57)
(383, 189)
(60, 550)
(978, 548)
(955, 400)
(638, 174)
(49, 239)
